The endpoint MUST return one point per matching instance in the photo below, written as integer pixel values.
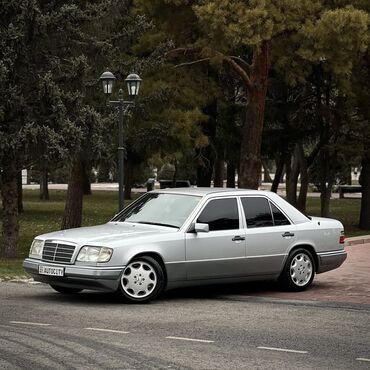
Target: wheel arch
(155, 256)
(308, 247)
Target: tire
(65, 290)
(299, 270)
(141, 281)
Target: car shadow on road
(221, 290)
(188, 293)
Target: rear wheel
(299, 270)
(142, 280)
(64, 290)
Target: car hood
(106, 234)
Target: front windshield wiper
(156, 223)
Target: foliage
(207, 67)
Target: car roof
(209, 191)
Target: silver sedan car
(182, 237)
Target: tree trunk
(218, 180)
(266, 172)
(326, 189)
(44, 188)
(9, 195)
(129, 171)
(206, 156)
(302, 198)
(278, 175)
(204, 176)
(205, 168)
(365, 200)
(292, 179)
(20, 192)
(327, 177)
(230, 174)
(347, 177)
(250, 151)
(73, 209)
(87, 181)
(174, 177)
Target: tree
(167, 126)
(29, 67)
(110, 28)
(361, 88)
(248, 36)
(39, 60)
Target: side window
(257, 212)
(279, 218)
(220, 214)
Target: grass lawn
(44, 216)
(346, 210)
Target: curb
(356, 240)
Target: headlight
(36, 248)
(94, 254)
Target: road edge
(356, 240)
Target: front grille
(55, 252)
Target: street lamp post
(133, 85)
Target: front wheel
(299, 270)
(64, 290)
(142, 280)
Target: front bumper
(80, 277)
(331, 260)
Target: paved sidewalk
(348, 284)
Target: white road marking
(29, 323)
(192, 340)
(363, 359)
(109, 330)
(282, 349)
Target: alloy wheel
(301, 269)
(139, 279)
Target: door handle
(287, 235)
(238, 238)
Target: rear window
(279, 218)
(257, 212)
(260, 212)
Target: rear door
(269, 235)
(219, 253)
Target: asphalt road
(203, 328)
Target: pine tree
(248, 37)
(43, 70)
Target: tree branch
(241, 62)
(192, 62)
(316, 150)
(181, 52)
(238, 70)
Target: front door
(219, 253)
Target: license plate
(51, 270)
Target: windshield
(160, 209)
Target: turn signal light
(342, 238)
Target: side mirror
(201, 228)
